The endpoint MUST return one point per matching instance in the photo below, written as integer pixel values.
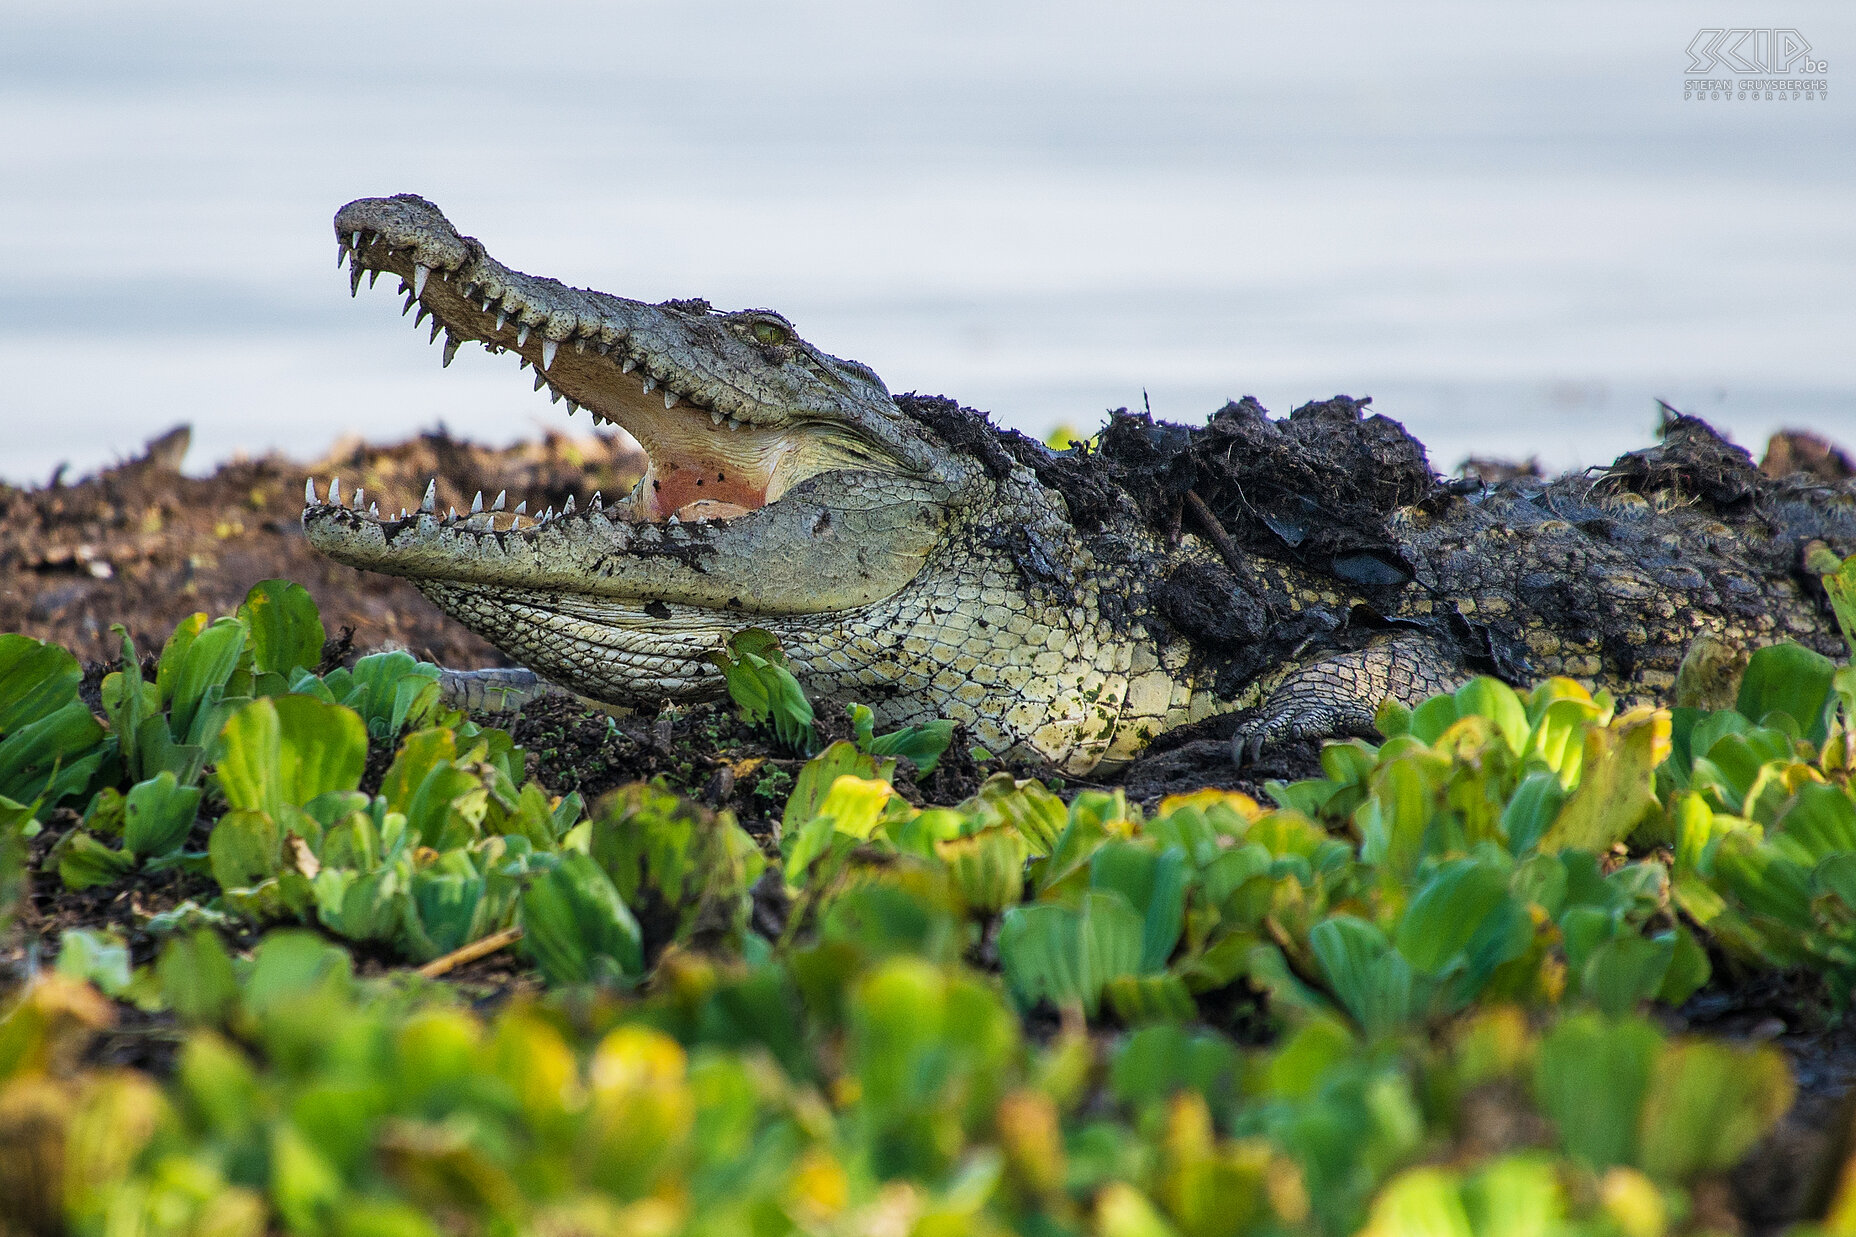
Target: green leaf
(816, 778)
(390, 691)
(922, 745)
(197, 981)
(244, 848)
(1708, 1104)
(1788, 679)
(1486, 697)
(1820, 823)
(36, 679)
(576, 927)
(1627, 970)
(1447, 912)
(1689, 970)
(286, 629)
(671, 857)
(157, 815)
(206, 666)
(1764, 881)
(1154, 885)
(1156, 1062)
(1034, 811)
(97, 957)
(765, 690)
(287, 750)
(1137, 999)
(987, 868)
(1374, 983)
(52, 757)
(84, 862)
(1618, 785)
(1066, 954)
(1590, 1079)
(1532, 809)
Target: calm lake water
(1505, 223)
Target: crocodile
(1064, 605)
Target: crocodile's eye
(769, 334)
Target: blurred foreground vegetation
(1419, 993)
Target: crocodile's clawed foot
(1283, 721)
(1339, 695)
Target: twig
(470, 953)
(1215, 530)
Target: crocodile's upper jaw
(733, 409)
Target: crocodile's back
(1611, 578)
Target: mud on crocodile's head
(783, 482)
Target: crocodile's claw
(1340, 695)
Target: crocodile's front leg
(1340, 694)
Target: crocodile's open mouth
(697, 389)
(768, 459)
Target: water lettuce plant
(1412, 992)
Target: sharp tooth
(515, 522)
(672, 519)
(629, 366)
(579, 344)
(548, 514)
(597, 504)
(548, 349)
(733, 424)
(407, 307)
(451, 515)
(309, 492)
(373, 509)
(650, 385)
(554, 395)
(670, 399)
(567, 508)
(476, 504)
(602, 348)
(341, 251)
(715, 418)
(522, 335)
(419, 274)
(335, 492)
(355, 241)
(572, 407)
(437, 326)
(402, 513)
(540, 378)
(521, 361)
(431, 496)
(500, 496)
(354, 276)
(372, 276)
(451, 346)
(501, 318)
(425, 311)
(356, 504)
(522, 507)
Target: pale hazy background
(1503, 221)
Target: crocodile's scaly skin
(919, 564)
